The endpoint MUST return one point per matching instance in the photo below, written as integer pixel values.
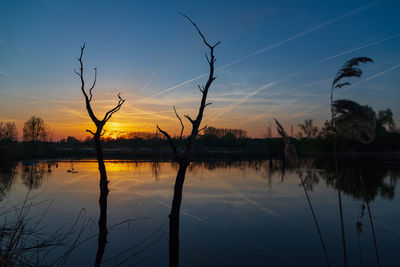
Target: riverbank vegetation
(213, 142)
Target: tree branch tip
(89, 131)
(216, 44)
(189, 118)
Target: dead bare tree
(184, 158)
(102, 239)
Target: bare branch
(80, 74)
(201, 34)
(208, 60)
(183, 127)
(89, 131)
(190, 119)
(171, 143)
(104, 131)
(202, 129)
(186, 157)
(94, 83)
(207, 104)
(115, 109)
(216, 45)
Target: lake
(234, 213)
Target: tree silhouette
(385, 118)
(102, 240)
(184, 159)
(8, 131)
(309, 129)
(34, 130)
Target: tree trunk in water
(102, 239)
(174, 216)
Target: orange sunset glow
(199, 133)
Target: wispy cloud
(258, 90)
(137, 111)
(294, 37)
(2, 73)
(74, 112)
(6, 119)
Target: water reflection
(7, 178)
(362, 180)
(33, 173)
(224, 200)
(156, 169)
(103, 232)
(359, 179)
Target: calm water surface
(233, 213)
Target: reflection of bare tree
(33, 174)
(103, 232)
(155, 169)
(7, 177)
(311, 177)
(291, 157)
(274, 167)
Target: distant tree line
(310, 140)
(36, 140)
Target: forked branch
(183, 126)
(201, 34)
(185, 158)
(171, 143)
(115, 109)
(88, 98)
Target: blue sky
(276, 59)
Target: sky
(277, 59)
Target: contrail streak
(240, 101)
(301, 34)
(354, 85)
(176, 86)
(360, 47)
(378, 74)
(261, 88)
(296, 36)
(142, 112)
(148, 83)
